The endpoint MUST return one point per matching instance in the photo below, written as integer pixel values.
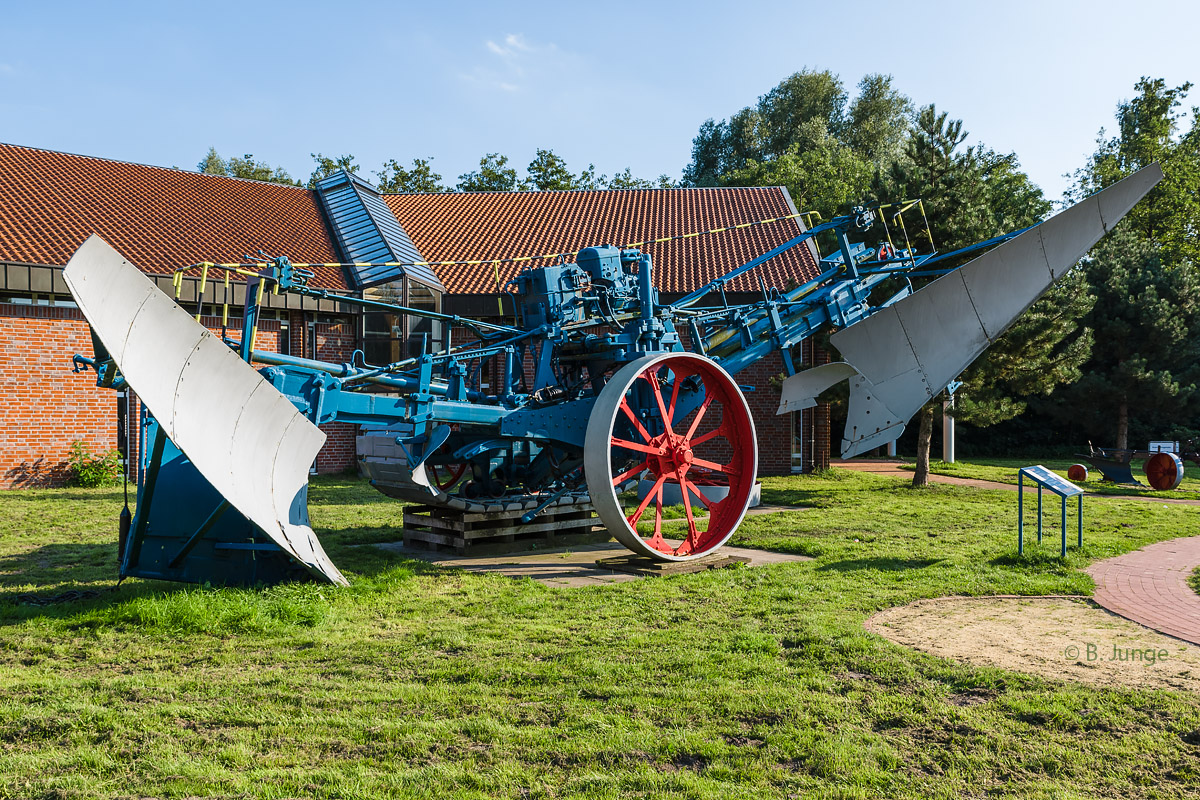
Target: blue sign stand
(1045, 479)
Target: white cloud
(7, 69)
(516, 59)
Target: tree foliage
(243, 167)
(548, 172)
(395, 179)
(972, 194)
(1147, 131)
(327, 166)
(1146, 359)
(493, 175)
(808, 111)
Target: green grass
(1004, 470)
(424, 682)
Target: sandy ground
(1059, 638)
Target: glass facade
(394, 337)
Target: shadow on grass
(879, 564)
(800, 498)
(58, 564)
(1039, 556)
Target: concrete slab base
(570, 567)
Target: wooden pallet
(641, 565)
(493, 532)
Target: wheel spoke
(629, 473)
(674, 396)
(686, 485)
(658, 516)
(656, 389)
(693, 536)
(704, 437)
(637, 515)
(637, 446)
(699, 416)
(636, 422)
(725, 469)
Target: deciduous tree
(395, 179)
(493, 175)
(326, 166)
(244, 167)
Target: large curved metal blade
(906, 353)
(241, 434)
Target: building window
(388, 338)
(40, 299)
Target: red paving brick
(1150, 586)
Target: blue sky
(616, 83)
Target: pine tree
(1146, 358)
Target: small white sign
(1164, 447)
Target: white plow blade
(907, 353)
(242, 435)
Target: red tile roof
(164, 218)
(157, 218)
(489, 225)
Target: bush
(88, 469)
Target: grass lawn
(423, 682)
(1004, 470)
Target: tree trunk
(924, 437)
(1123, 425)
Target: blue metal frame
(513, 404)
(1045, 479)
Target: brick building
(161, 219)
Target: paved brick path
(1150, 586)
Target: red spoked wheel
(1164, 471)
(446, 476)
(681, 420)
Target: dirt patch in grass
(1058, 638)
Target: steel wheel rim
(680, 453)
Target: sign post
(1045, 479)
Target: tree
(244, 167)
(711, 155)
(327, 166)
(626, 180)
(212, 164)
(806, 110)
(799, 99)
(493, 175)
(1147, 126)
(970, 195)
(878, 123)
(549, 172)
(1144, 275)
(395, 179)
(1146, 360)
(819, 172)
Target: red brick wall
(46, 407)
(336, 342)
(774, 430)
(815, 420)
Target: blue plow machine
(587, 388)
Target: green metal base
(183, 530)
